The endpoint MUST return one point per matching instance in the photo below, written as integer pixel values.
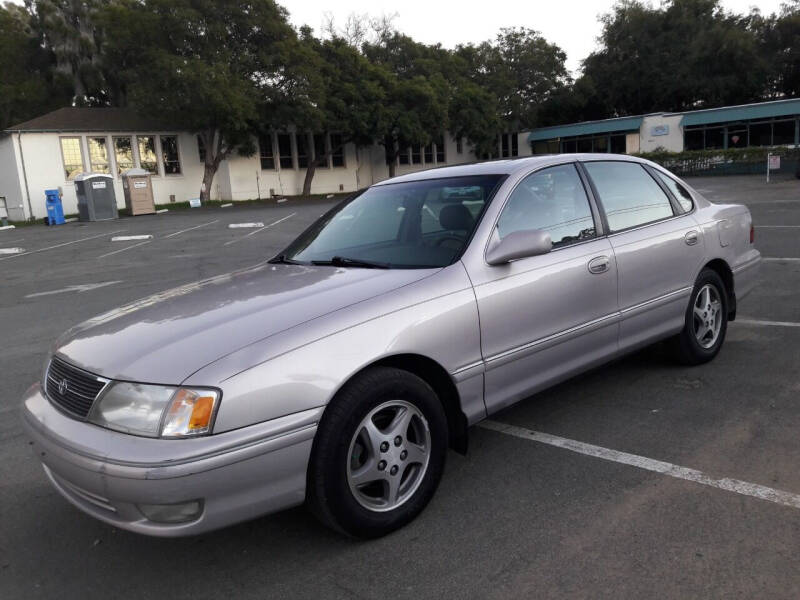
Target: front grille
(72, 389)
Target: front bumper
(237, 475)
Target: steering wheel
(449, 237)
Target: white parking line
(130, 238)
(634, 460)
(767, 323)
(11, 250)
(80, 288)
(774, 259)
(244, 225)
(124, 249)
(191, 228)
(258, 230)
(60, 245)
(777, 226)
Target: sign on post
(773, 164)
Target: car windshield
(417, 224)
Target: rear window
(629, 195)
(681, 193)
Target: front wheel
(706, 321)
(379, 453)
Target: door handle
(598, 264)
(690, 238)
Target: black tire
(328, 493)
(686, 347)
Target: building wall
(45, 170)
(672, 141)
(10, 180)
(238, 178)
(632, 141)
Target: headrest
(455, 217)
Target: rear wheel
(379, 453)
(706, 321)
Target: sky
(571, 24)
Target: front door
(546, 317)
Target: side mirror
(519, 244)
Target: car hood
(166, 337)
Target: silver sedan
(340, 372)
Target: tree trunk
(215, 154)
(209, 171)
(312, 168)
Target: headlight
(156, 410)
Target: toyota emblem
(63, 386)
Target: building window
(285, 151)
(715, 138)
(618, 145)
(460, 145)
(440, 150)
(416, 154)
(693, 139)
(509, 145)
(405, 156)
(201, 150)
(169, 155)
(123, 154)
(585, 145)
(320, 150)
(98, 155)
(72, 157)
(266, 152)
(301, 140)
(783, 133)
(147, 153)
(761, 134)
(337, 150)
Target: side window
(552, 200)
(629, 195)
(680, 192)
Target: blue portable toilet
(55, 210)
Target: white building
(49, 151)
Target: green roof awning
(588, 128)
(747, 112)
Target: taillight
(752, 234)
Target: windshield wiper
(343, 261)
(281, 259)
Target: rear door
(658, 247)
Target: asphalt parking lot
(518, 517)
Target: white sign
(98, 185)
(657, 130)
(140, 184)
(194, 202)
(774, 162)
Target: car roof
(505, 166)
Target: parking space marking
(93, 237)
(124, 249)
(777, 226)
(191, 228)
(244, 225)
(131, 238)
(11, 250)
(737, 486)
(259, 230)
(774, 259)
(80, 288)
(767, 323)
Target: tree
(336, 92)
(68, 29)
(28, 86)
(682, 55)
(780, 40)
(522, 69)
(416, 93)
(206, 66)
